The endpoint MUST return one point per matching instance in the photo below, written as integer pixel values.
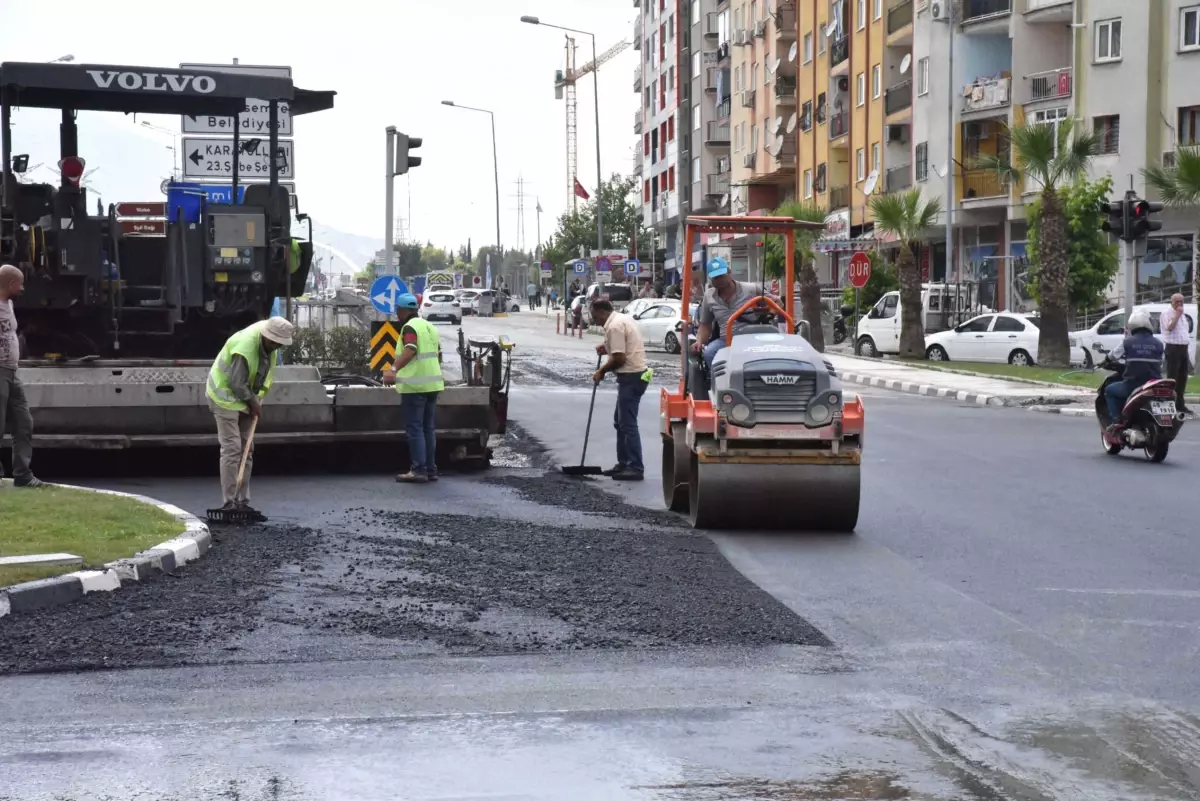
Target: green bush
(343, 349)
(883, 280)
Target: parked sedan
(999, 337)
(441, 306)
(658, 324)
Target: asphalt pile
(167, 620)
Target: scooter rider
(1143, 355)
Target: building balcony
(839, 123)
(898, 178)
(1052, 11)
(1049, 85)
(716, 184)
(979, 10)
(988, 95)
(717, 133)
(723, 109)
(637, 121)
(839, 197)
(981, 185)
(899, 16)
(637, 79)
(785, 90)
(711, 27)
(839, 51)
(637, 34)
(785, 22)
(898, 98)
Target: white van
(945, 306)
(1109, 332)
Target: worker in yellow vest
(417, 374)
(238, 381)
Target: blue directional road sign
(632, 266)
(384, 292)
(603, 265)
(581, 267)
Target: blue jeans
(1116, 394)
(630, 389)
(711, 350)
(420, 416)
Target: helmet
(717, 266)
(1140, 319)
(406, 301)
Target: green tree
(907, 217)
(1092, 258)
(622, 210)
(775, 263)
(1052, 156)
(1178, 185)
(432, 258)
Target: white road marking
(1157, 593)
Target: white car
(1109, 332)
(999, 337)
(441, 306)
(466, 300)
(657, 321)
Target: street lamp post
(495, 164)
(596, 93)
(61, 59)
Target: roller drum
(676, 462)
(779, 496)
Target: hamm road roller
(767, 438)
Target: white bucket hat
(278, 330)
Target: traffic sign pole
(859, 273)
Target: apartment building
(683, 121)
(1127, 70)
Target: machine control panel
(237, 244)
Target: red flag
(580, 191)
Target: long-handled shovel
(582, 469)
(238, 516)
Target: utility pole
(950, 93)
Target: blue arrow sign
(581, 267)
(632, 266)
(384, 292)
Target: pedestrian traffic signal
(1117, 223)
(405, 143)
(1140, 222)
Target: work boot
(612, 471)
(433, 475)
(30, 482)
(412, 478)
(627, 475)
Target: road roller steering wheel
(762, 308)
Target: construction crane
(564, 85)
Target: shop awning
(866, 241)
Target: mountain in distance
(355, 248)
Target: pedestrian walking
(14, 408)
(238, 381)
(627, 360)
(1176, 334)
(531, 291)
(417, 374)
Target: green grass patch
(99, 528)
(1075, 377)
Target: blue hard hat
(406, 301)
(717, 266)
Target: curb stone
(1063, 410)
(191, 544)
(914, 388)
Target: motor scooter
(1149, 420)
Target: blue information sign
(581, 267)
(632, 266)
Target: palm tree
(1178, 185)
(810, 287)
(905, 216)
(1054, 157)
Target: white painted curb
(190, 545)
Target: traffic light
(1117, 223)
(1139, 216)
(405, 143)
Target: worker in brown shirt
(627, 360)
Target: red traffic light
(1143, 208)
(71, 169)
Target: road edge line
(189, 545)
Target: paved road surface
(1016, 618)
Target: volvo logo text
(780, 379)
(153, 81)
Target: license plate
(1162, 408)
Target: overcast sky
(391, 62)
